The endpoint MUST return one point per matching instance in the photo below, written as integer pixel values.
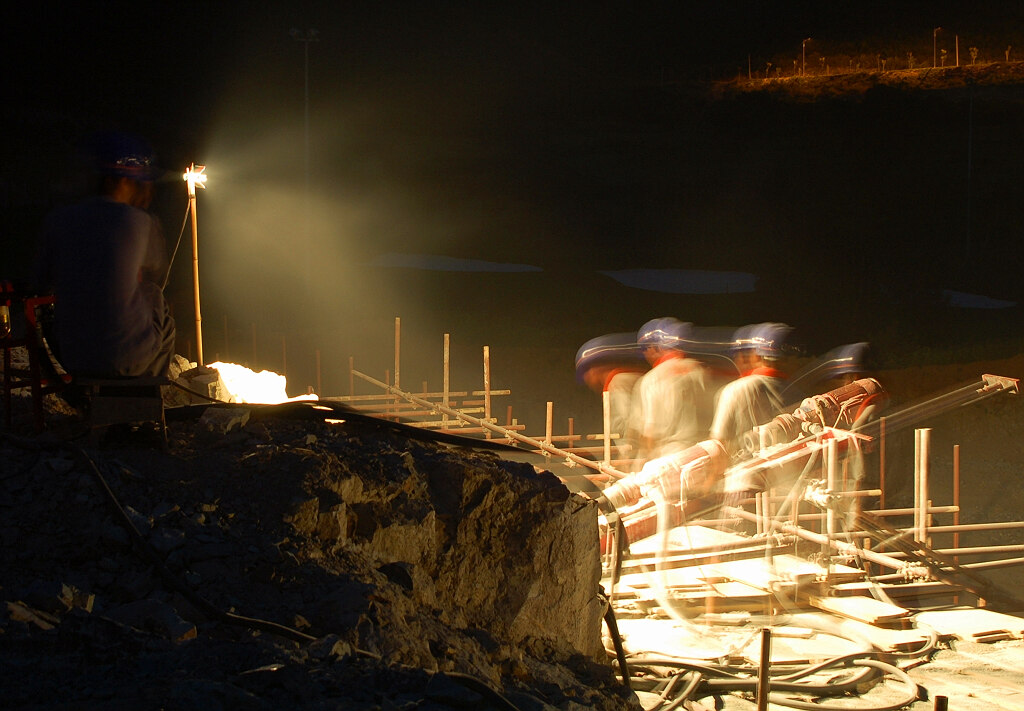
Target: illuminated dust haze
(531, 177)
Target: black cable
(475, 684)
(613, 630)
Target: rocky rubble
(273, 557)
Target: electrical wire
(177, 244)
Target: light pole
(195, 176)
(935, 34)
(803, 56)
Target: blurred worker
(756, 396)
(105, 262)
(613, 364)
(674, 398)
(840, 366)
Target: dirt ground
(263, 561)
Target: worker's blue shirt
(104, 261)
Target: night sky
(573, 139)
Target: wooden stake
(487, 388)
(763, 673)
(447, 366)
(547, 424)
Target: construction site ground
(249, 510)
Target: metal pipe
(842, 547)
(996, 526)
(831, 461)
(973, 550)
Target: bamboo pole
(195, 177)
(548, 423)
(487, 388)
(956, 493)
(917, 482)
(351, 379)
(764, 670)
(922, 534)
(447, 375)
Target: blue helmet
(743, 337)
(851, 358)
(123, 155)
(665, 332)
(770, 340)
(619, 349)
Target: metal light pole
(803, 57)
(935, 34)
(195, 176)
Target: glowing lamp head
(195, 176)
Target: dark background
(574, 139)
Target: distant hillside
(1009, 75)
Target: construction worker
(104, 260)
(614, 364)
(674, 397)
(756, 396)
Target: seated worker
(104, 261)
(755, 397)
(674, 397)
(613, 364)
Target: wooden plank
(973, 624)
(881, 638)
(865, 609)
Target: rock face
(292, 562)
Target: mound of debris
(289, 557)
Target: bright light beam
(194, 176)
